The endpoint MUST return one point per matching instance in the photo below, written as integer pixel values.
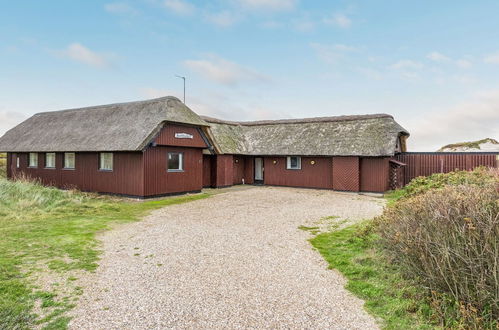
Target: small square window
(175, 162)
(69, 160)
(106, 161)
(50, 160)
(293, 163)
(33, 159)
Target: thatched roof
(368, 135)
(114, 127)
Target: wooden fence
(427, 163)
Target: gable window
(293, 163)
(33, 159)
(106, 161)
(175, 162)
(69, 160)
(50, 160)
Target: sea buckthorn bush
(444, 232)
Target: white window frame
(106, 167)
(50, 155)
(33, 159)
(288, 163)
(68, 166)
(180, 162)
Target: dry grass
(447, 239)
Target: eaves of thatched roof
(114, 127)
(367, 135)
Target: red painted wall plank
(167, 137)
(317, 175)
(346, 173)
(374, 174)
(126, 177)
(159, 181)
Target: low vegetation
(49, 232)
(3, 165)
(431, 260)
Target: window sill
(69, 169)
(293, 169)
(49, 168)
(101, 170)
(33, 167)
(175, 171)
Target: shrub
(446, 236)
(479, 177)
(3, 165)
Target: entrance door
(258, 170)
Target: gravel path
(235, 260)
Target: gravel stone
(235, 260)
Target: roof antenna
(183, 78)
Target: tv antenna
(183, 78)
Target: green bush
(3, 165)
(478, 177)
(444, 232)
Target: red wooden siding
(224, 170)
(249, 170)
(126, 177)
(239, 170)
(157, 179)
(208, 174)
(167, 137)
(346, 173)
(317, 175)
(374, 174)
(424, 164)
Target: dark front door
(258, 170)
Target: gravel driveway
(235, 260)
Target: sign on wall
(183, 136)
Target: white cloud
(492, 58)
(339, 20)
(437, 57)
(469, 121)
(224, 18)
(79, 53)
(332, 53)
(120, 8)
(223, 71)
(272, 5)
(179, 7)
(406, 65)
(9, 119)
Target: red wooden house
(160, 146)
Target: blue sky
(433, 65)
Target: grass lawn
(49, 232)
(371, 277)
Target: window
(293, 163)
(50, 160)
(17, 162)
(175, 162)
(106, 161)
(33, 159)
(69, 160)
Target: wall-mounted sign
(183, 136)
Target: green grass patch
(46, 229)
(388, 296)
